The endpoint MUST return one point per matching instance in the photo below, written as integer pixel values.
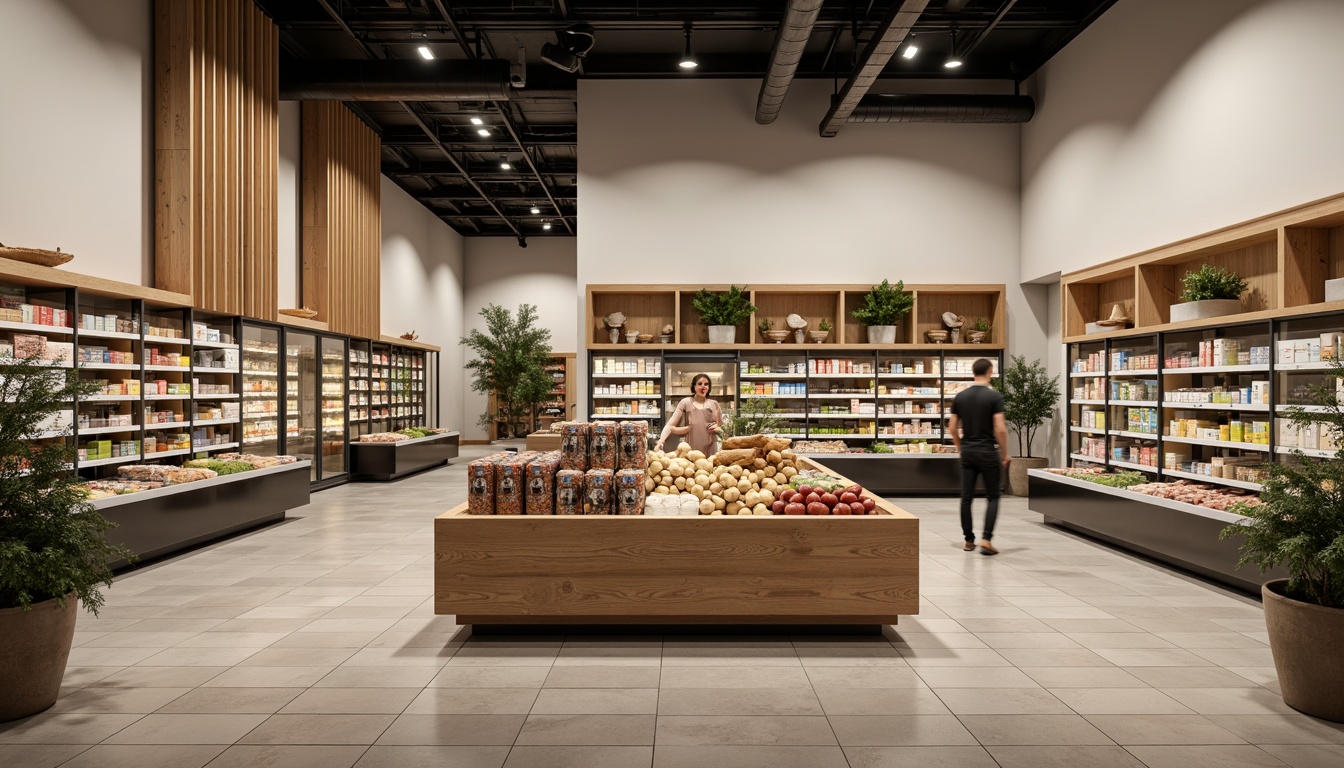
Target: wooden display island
(600, 569)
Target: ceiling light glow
(505, 166)
(482, 132)
(688, 58)
(546, 225)
(425, 53)
(535, 210)
(952, 63)
(477, 121)
(910, 51)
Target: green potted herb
(1208, 292)
(510, 365)
(723, 312)
(882, 310)
(1029, 399)
(823, 331)
(53, 554)
(979, 332)
(1298, 525)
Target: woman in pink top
(697, 418)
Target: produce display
(220, 467)
(741, 479)
(839, 446)
(134, 478)
(409, 433)
(162, 473)
(1180, 490)
(257, 462)
(1123, 479)
(103, 489)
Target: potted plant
(1029, 398)
(766, 327)
(823, 330)
(882, 310)
(53, 554)
(979, 332)
(510, 365)
(1209, 292)
(723, 312)
(1299, 525)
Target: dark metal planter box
(1183, 535)
(166, 520)
(389, 461)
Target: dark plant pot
(1305, 639)
(1017, 473)
(34, 646)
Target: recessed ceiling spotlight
(911, 49)
(425, 53)
(535, 210)
(952, 63)
(546, 225)
(482, 131)
(477, 121)
(688, 58)
(504, 165)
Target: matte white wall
(76, 158)
(288, 264)
(1165, 120)
(422, 286)
(543, 274)
(679, 184)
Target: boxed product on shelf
(1095, 362)
(1325, 347)
(602, 445)
(1133, 389)
(29, 345)
(629, 485)
(481, 485)
(598, 485)
(633, 452)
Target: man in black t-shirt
(981, 437)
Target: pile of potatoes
(742, 479)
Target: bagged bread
(598, 487)
(634, 445)
(740, 456)
(574, 446)
(569, 492)
(743, 441)
(629, 492)
(539, 495)
(602, 445)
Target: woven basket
(36, 256)
(303, 312)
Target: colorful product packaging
(634, 445)
(574, 446)
(630, 492)
(569, 492)
(602, 445)
(599, 487)
(539, 495)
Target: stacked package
(669, 505)
(602, 445)
(539, 496)
(481, 485)
(598, 487)
(569, 492)
(168, 475)
(510, 479)
(574, 446)
(630, 492)
(634, 446)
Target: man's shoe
(969, 546)
(986, 548)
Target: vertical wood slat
(216, 131)
(341, 227)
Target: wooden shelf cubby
(1285, 258)
(647, 308)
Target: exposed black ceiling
(431, 149)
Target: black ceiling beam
(887, 39)
(480, 171)
(935, 21)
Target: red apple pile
(807, 500)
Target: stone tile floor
(314, 643)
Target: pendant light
(953, 60)
(688, 58)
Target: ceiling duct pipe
(794, 30)
(396, 80)
(943, 108)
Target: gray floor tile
(187, 729)
(500, 677)
(64, 729)
(1205, 756)
(738, 730)
(1299, 755)
(975, 677)
(1130, 730)
(109, 699)
(39, 755)
(588, 730)
(453, 730)
(319, 729)
(748, 757)
(579, 757)
(1121, 701)
(433, 757)
(1190, 677)
(473, 701)
(861, 677)
(268, 677)
(1001, 701)
(230, 701)
(740, 701)
(351, 701)
(900, 730)
(1281, 729)
(288, 756)
(1034, 730)
(877, 701)
(1064, 757)
(919, 757)
(596, 701)
(378, 677)
(747, 677)
(1230, 701)
(147, 756)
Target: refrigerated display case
(261, 390)
(332, 382)
(301, 402)
(358, 397)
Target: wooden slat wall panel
(342, 231)
(216, 145)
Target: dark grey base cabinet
(1173, 532)
(898, 474)
(160, 522)
(389, 461)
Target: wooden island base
(599, 569)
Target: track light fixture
(688, 58)
(953, 60)
(423, 49)
(482, 131)
(504, 164)
(522, 241)
(477, 121)
(535, 210)
(546, 225)
(575, 41)
(911, 48)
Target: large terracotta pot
(1306, 640)
(34, 646)
(1017, 473)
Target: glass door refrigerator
(261, 395)
(332, 382)
(301, 403)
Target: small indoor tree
(883, 307)
(510, 364)
(1029, 398)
